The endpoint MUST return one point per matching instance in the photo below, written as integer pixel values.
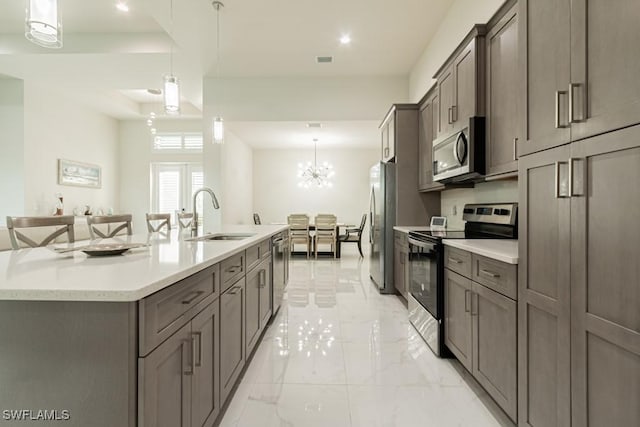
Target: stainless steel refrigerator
(382, 218)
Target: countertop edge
(487, 248)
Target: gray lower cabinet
(232, 337)
(258, 303)
(400, 265)
(458, 325)
(480, 324)
(502, 82)
(180, 378)
(495, 351)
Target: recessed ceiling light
(345, 39)
(154, 91)
(122, 6)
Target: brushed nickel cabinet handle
(455, 261)
(189, 368)
(474, 312)
(234, 268)
(197, 356)
(454, 113)
(515, 148)
(557, 180)
(195, 296)
(449, 115)
(262, 278)
(235, 290)
(489, 273)
(572, 119)
(557, 116)
(466, 300)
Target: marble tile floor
(340, 354)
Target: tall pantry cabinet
(579, 292)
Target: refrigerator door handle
(372, 214)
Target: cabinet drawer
(166, 311)
(231, 269)
(496, 275)
(253, 256)
(458, 260)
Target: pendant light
(218, 123)
(171, 82)
(42, 25)
(313, 175)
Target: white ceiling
(110, 58)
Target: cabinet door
(445, 104)
(265, 293)
(165, 387)
(502, 95)
(426, 133)
(457, 317)
(605, 278)
(606, 90)
(495, 346)
(384, 142)
(544, 39)
(252, 316)
(543, 290)
(465, 75)
(205, 398)
(232, 341)
(398, 270)
(391, 152)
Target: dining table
(312, 227)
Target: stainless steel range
(426, 264)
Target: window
(173, 185)
(177, 143)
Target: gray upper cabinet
(458, 324)
(426, 135)
(502, 85)
(544, 40)
(605, 90)
(543, 289)
(388, 130)
(605, 278)
(460, 87)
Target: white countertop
(505, 250)
(408, 228)
(41, 274)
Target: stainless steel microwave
(461, 156)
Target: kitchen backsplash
(452, 201)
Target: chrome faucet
(216, 205)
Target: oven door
(425, 275)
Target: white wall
(54, 128)
(136, 158)
(459, 20)
(487, 192)
(276, 191)
(12, 148)
(236, 198)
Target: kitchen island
(157, 336)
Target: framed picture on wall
(79, 174)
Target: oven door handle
(421, 244)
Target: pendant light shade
(42, 26)
(171, 95)
(218, 130)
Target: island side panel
(75, 356)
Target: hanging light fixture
(171, 82)
(218, 123)
(42, 25)
(312, 175)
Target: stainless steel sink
(221, 236)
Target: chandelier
(312, 175)
(42, 24)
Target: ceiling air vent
(314, 125)
(324, 59)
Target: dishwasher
(280, 256)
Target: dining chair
(185, 219)
(256, 219)
(156, 222)
(325, 232)
(354, 235)
(14, 222)
(124, 222)
(299, 231)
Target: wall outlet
(454, 210)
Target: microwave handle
(461, 139)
